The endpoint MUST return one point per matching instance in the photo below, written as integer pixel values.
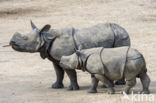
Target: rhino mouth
(16, 46)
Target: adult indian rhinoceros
(54, 43)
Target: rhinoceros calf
(54, 43)
(109, 64)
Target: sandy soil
(26, 78)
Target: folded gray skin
(107, 64)
(54, 43)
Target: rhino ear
(32, 25)
(78, 53)
(80, 48)
(45, 28)
(81, 55)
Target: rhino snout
(15, 38)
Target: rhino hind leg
(59, 77)
(73, 79)
(94, 84)
(129, 84)
(106, 82)
(145, 80)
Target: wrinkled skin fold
(55, 43)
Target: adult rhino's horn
(32, 25)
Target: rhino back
(95, 50)
(100, 35)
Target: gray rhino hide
(45, 51)
(114, 59)
(109, 61)
(102, 35)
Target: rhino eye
(25, 37)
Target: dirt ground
(26, 78)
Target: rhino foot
(145, 92)
(111, 91)
(57, 85)
(73, 87)
(92, 91)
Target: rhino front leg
(73, 79)
(94, 84)
(59, 77)
(106, 82)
